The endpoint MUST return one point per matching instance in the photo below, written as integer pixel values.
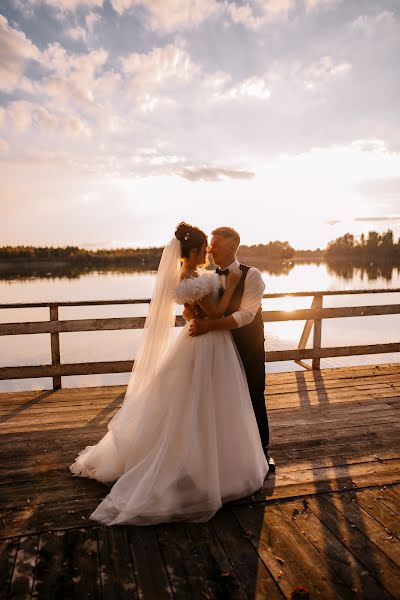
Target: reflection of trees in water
(341, 268)
(62, 271)
(369, 270)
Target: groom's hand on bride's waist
(199, 327)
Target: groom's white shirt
(254, 287)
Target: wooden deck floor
(328, 520)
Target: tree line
(371, 246)
(74, 255)
(374, 245)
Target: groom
(244, 318)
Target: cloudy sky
(119, 118)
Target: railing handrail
(147, 300)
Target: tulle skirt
(185, 445)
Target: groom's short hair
(227, 232)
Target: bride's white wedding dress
(192, 441)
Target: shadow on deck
(327, 521)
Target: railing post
(316, 362)
(55, 347)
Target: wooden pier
(325, 524)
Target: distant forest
(373, 246)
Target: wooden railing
(313, 317)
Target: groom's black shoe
(271, 462)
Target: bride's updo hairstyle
(190, 237)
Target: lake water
(121, 345)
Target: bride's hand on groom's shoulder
(199, 327)
(192, 311)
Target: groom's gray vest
(249, 341)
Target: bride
(185, 439)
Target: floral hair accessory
(187, 236)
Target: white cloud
(23, 115)
(15, 50)
(320, 4)
(370, 25)
(77, 33)
(276, 7)
(253, 87)
(171, 15)
(244, 14)
(73, 76)
(254, 15)
(150, 73)
(19, 113)
(68, 5)
(322, 71)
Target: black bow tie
(224, 272)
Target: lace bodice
(194, 288)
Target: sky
(120, 118)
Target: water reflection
(346, 270)
(368, 271)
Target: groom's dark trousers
(249, 341)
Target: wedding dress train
(192, 442)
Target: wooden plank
(336, 411)
(47, 489)
(67, 565)
(328, 418)
(331, 351)
(340, 560)
(86, 368)
(303, 314)
(55, 346)
(250, 569)
(353, 396)
(117, 577)
(184, 574)
(216, 569)
(374, 530)
(8, 553)
(24, 570)
(150, 572)
(335, 373)
(74, 325)
(363, 382)
(389, 496)
(355, 540)
(370, 501)
(71, 325)
(337, 434)
(327, 479)
(287, 555)
(44, 517)
(317, 333)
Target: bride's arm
(215, 310)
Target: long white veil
(156, 337)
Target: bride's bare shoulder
(187, 275)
